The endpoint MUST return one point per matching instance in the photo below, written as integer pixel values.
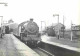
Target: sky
(41, 10)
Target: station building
(58, 27)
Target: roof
(55, 24)
(11, 25)
(77, 25)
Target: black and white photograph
(39, 28)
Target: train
(28, 32)
(50, 31)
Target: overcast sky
(41, 10)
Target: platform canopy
(11, 25)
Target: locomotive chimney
(31, 19)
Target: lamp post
(71, 30)
(41, 26)
(5, 4)
(63, 26)
(58, 23)
(44, 23)
(1, 25)
(56, 15)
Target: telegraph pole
(58, 28)
(63, 26)
(58, 23)
(41, 27)
(71, 31)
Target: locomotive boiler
(29, 32)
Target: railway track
(39, 50)
(42, 52)
(45, 49)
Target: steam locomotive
(29, 32)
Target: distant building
(58, 27)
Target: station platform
(11, 46)
(61, 42)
